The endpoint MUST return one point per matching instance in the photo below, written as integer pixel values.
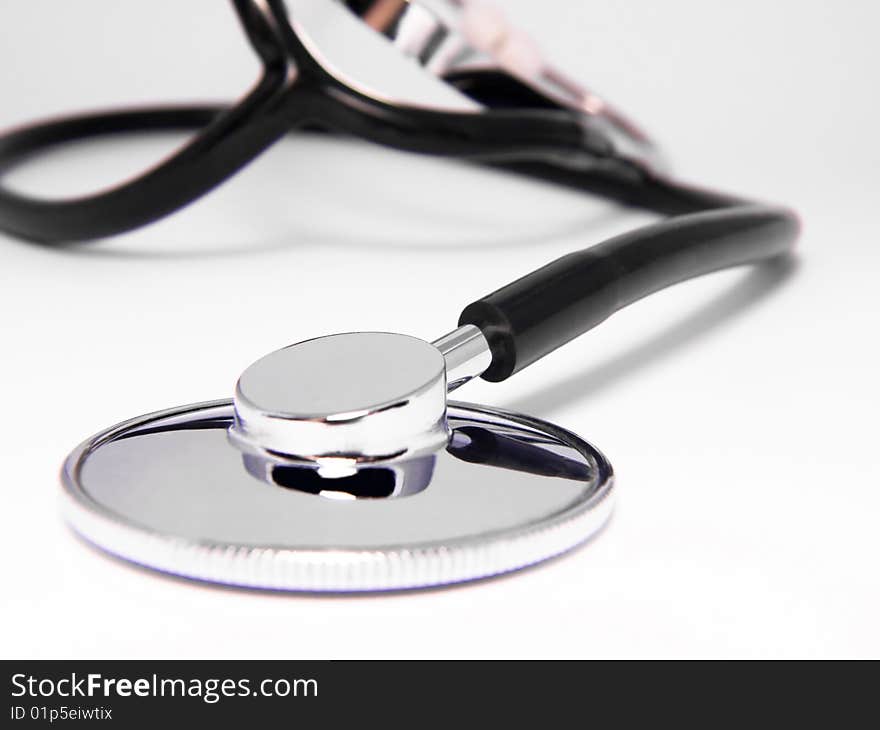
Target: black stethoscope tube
(522, 321)
(226, 144)
(283, 100)
(231, 138)
(541, 311)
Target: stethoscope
(339, 464)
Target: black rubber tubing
(541, 311)
(280, 102)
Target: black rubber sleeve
(534, 315)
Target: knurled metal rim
(338, 570)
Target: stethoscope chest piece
(339, 464)
(357, 396)
(371, 482)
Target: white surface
(741, 417)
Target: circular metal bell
(171, 491)
(339, 466)
(357, 396)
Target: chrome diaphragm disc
(172, 491)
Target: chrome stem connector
(467, 355)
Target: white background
(740, 411)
